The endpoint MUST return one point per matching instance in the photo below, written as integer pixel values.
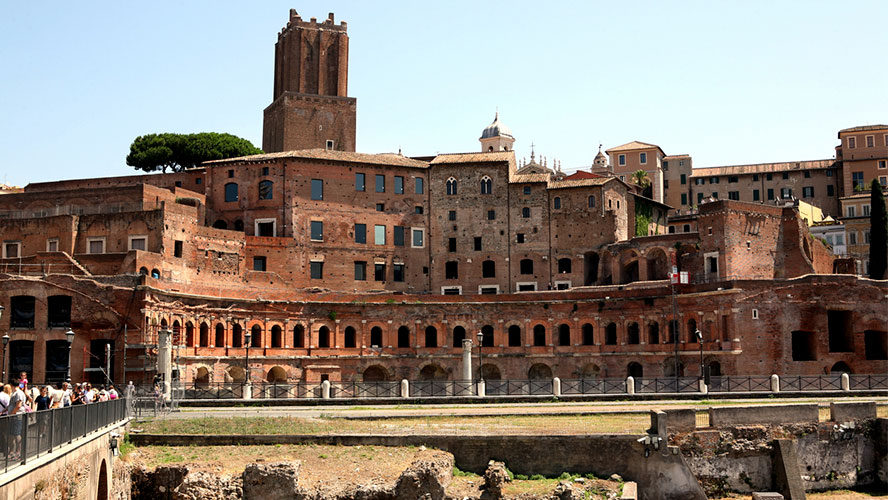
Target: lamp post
(69, 336)
(700, 341)
(247, 338)
(480, 356)
(5, 343)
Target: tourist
(4, 398)
(17, 404)
(42, 401)
(76, 395)
(112, 394)
(66, 394)
(88, 395)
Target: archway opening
(490, 372)
(375, 373)
(220, 335)
(635, 370)
(657, 265)
(323, 337)
(277, 375)
(235, 374)
(839, 368)
(588, 334)
(459, 334)
(350, 335)
(632, 334)
(564, 334)
(432, 372)
(276, 336)
(653, 333)
(539, 335)
(539, 371)
(514, 336)
(102, 486)
(590, 371)
(376, 337)
(487, 336)
(202, 376)
(590, 268)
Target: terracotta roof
(570, 183)
(582, 174)
(669, 157)
(630, 146)
(495, 156)
(863, 128)
(323, 154)
(519, 178)
(760, 168)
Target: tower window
(486, 185)
(451, 186)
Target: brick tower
(310, 108)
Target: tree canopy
(178, 152)
(878, 232)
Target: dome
(496, 129)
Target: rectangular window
(491, 215)
(681, 163)
(379, 272)
(852, 143)
(785, 193)
(13, 250)
(451, 215)
(699, 198)
(850, 211)
(399, 184)
(684, 179)
(360, 184)
(22, 314)
(883, 180)
(785, 175)
(398, 272)
(732, 179)
(866, 210)
(52, 245)
(665, 183)
(713, 180)
(138, 242)
(95, 245)
(451, 270)
(684, 198)
(264, 170)
(451, 244)
(866, 237)
(418, 210)
(177, 249)
(477, 243)
(755, 177)
(734, 195)
(883, 164)
(259, 263)
(380, 183)
(622, 159)
(360, 270)
(755, 195)
(379, 234)
(526, 189)
(830, 190)
(360, 233)
(520, 238)
(198, 181)
(870, 141)
(714, 196)
(231, 192)
(642, 158)
(857, 181)
(418, 238)
(330, 144)
(665, 165)
(770, 194)
(852, 238)
(317, 230)
(317, 270)
(769, 177)
(419, 188)
(380, 207)
(58, 308)
(829, 173)
(398, 236)
(317, 189)
(808, 192)
(807, 174)
(840, 239)
(231, 174)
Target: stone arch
(155, 273)
(514, 336)
(201, 375)
(590, 371)
(431, 336)
(177, 331)
(588, 334)
(299, 336)
(189, 334)
(103, 482)
(590, 268)
(350, 337)
(276, 375)
(653, 333)
(635, 370)
(669, 368)
(487, 339)
(403, 337)
(539, 371)
(256, 336)
(715, 369)
(539, 335)
(490, 371)
(633, 334)
(220, 224)
(143, 271)
(277, 336)
(629, 259)
(375, 373)
(564, 334)
(432, 371)
(237, 332)
(324, 336)
(220, 335)
(235, 374)
(840, 367)
(459, 334)
(376, 337)
(692, 330)
(204, 339)
(657, 264)
(610, 334)
(239, 225)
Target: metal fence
(810, 383)
(25, 436)
(740, 383)
(593, 386)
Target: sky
(727, 82)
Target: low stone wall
(725, 416)
(846, 412)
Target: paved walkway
(427, 410)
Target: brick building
(352, 266)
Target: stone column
(467, 359)
(164, 361)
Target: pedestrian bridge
(61, 453)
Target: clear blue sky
(727, 82)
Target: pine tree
(878, 257)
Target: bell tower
(310, 106)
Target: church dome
(496, 129)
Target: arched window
(525, 212)
(564, 266)
(459, 334)
(350, 336)
(143, 271)
(376, 337)
(539, 335)
(610, 334)
(220, 224)
(486, 185)
(236, 331)
(487, 336)
(189, 334)
(403, 337)
(564, 334)
(276, 337)
(557, 203)
(220, 336)
(632, 334)
(588, 334)
(591, 201)
(451, 186)
(654, 333)
(155, 273)
(238, 225)
(431, 336)
(256, 336)
(266, 190)
(488, 269)
(299, 336)
(692, 330)
(514, 336)
(324, 337)
(231, 191)
(204, 335)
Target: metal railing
(519, 387)
(26, 436)
(869, 382)
(740, 383)
(669, 385)
(593, 386)
(803, 383)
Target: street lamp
(480, 356)
(69, 336)
(700, 341)
(247, 338)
